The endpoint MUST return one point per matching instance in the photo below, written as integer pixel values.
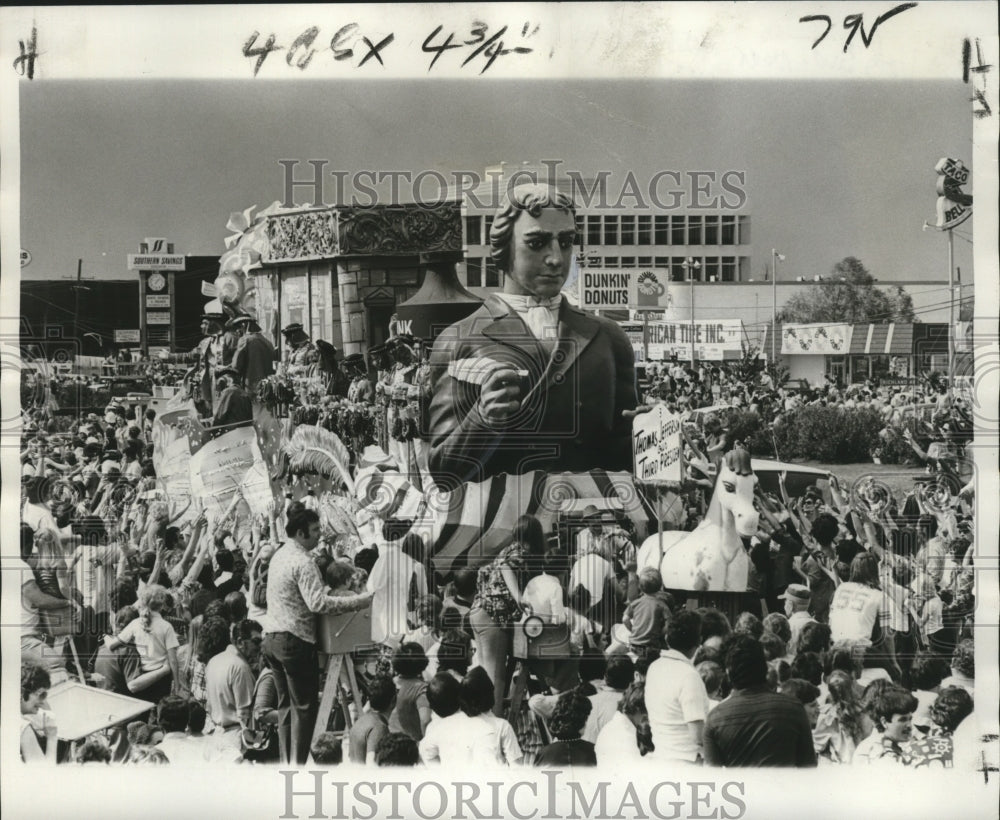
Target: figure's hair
(963, 660)
(713, 676)
(814, 637)
(33, 678)
(805, 692)
(749, 624)
(864, 570)
(443, 694)
(927, 671)
(745, 662)
(95, 749)
(328, 749)
(172, 713)
(532, 199)
(953, 705)
(213, 638)
(683, 631)
(650, 580)
(454, 651)
(381, 691)
(893, 700)
(713, 623)
(397, 749)
(528, 531)
(808, 666)
(777, 624)
(570, 715)
(845, 703)
(476, 692)
(774, 647)
(410, 660)
(153, 597)
(619, 672)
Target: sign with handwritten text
(223, 466)
(656, 445)
(478, 45)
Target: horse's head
(734, 491)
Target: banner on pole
(816, 339)
(712, 338)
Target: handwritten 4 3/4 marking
(478, 45)
(349, 43)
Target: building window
(678, 226)
(677, 272)
(628, 261)
(729, 269)
(711, 269)
(661, 229)
(492, 274)
(488, 225)
(610, 262)
(474, 273)
(474, 230)
(628, 230)
(743, 232)
(645, 261)
(645, 231)
(711, 230)
(593, 231)
(611, 230)
(744, 272)
(729, 230)
(694, 230)
(662, 262)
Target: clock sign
(156, 281)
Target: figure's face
(540, 253)
(36, 700)
(309, 540)
(812, 712)
(250, 647)
(899, 728)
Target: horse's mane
(738, 460)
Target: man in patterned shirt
(295, 595)
(888, 744)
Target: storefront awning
(894, 339)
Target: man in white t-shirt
(676, 698)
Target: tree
(849, 295)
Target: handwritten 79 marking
(855, 23)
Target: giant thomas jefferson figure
(528, 381)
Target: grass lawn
(899, 479)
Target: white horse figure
(712, 557)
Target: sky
(833, 168)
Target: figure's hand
(501, 395)
(49, 726)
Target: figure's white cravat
(540, 315)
